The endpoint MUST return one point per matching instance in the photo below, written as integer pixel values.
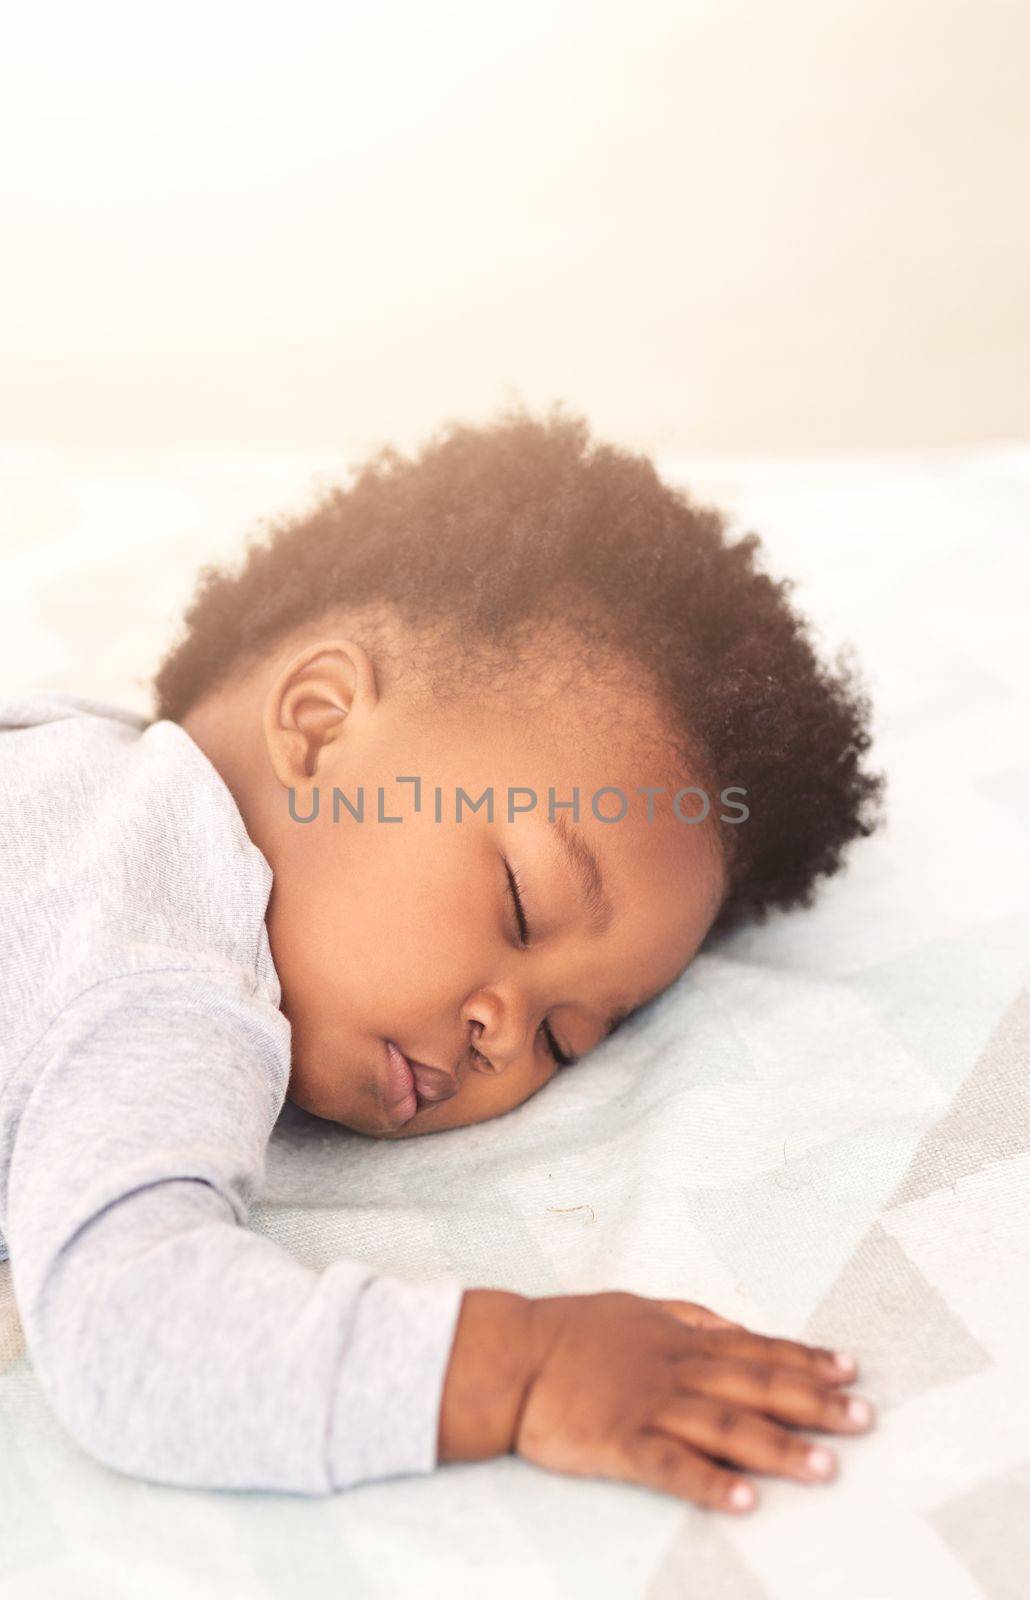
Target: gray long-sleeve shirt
(143, 1063)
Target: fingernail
(843, 1362)
(860, 1412)
(741, 1496)
(820, 1462)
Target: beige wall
(785, 226)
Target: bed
(822, 1130)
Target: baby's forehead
(571, 718)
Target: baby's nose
(432, 1083)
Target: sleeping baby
(453, 773)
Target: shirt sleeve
(172, 1342)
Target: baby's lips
(432, 1083)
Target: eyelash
(557, 1052)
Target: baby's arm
(178, 1346)
(173, 1343)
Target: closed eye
(516, 899)
(561, 1056)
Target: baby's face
(470, 947)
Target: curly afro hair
(498, 530)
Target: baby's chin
(355, 1121)
(427, 1119)
(411, 1130)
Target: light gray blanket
(822, 1131)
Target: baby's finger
(659, 1461)
(696, 1316)
(780, 1392)
(825, 1366)
(733, 1433)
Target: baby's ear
(321, 690)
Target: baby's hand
(660, 1392)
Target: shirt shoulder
(34, 707)
(123, 850)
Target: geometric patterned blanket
(822, 1131)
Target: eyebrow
(575, 850)
(577, 854)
